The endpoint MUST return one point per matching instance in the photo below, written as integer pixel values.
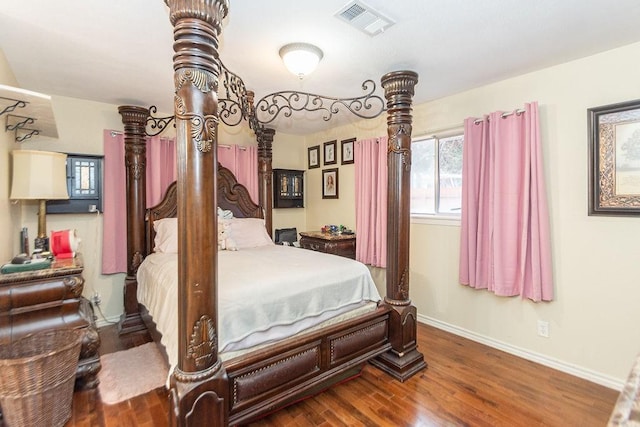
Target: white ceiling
(120, 51)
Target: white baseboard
(596, 377)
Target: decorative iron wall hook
(19, 122)
(27, 135)
(10, 108)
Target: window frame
(437, 217)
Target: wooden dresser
(33, 301)
(336, 244)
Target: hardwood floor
(466, 384)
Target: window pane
(450, 167)
(423, 177)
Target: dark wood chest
(33, 301)
(336, 244)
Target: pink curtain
(161, 167)
(505, 241)
(243, 162)
(161, 171)
(114, 221)
(227, 156)
(371, 201)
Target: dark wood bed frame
(204, 390)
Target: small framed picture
(330, 183)
(330, 152)
(347, 151)
(314, 156)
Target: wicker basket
(38, 373)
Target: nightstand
(336, 244)
(50, 298)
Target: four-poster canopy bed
(205, 390)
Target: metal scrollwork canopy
(367, 106)
(235, 104)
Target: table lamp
(42, 176)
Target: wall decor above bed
(347, 151)
(314, 156)
(329, 152)
(330, 183)
(288, 188)
(213, 387)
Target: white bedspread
(264, 294)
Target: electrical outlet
(96, 299)
(543, 328)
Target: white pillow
(249, 232)
(166, 239)
(246, 232)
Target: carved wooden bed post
(264, 136)
(199, 384)
(265, 183)
(134, 120)
(403, 360)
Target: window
(436, 175)
(84, 184)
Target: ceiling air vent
(364, 18)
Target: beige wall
(593, 318)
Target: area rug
(129, 373)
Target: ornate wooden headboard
(231, 196)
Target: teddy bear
(225, 242)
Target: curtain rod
(442, 132)
(507, 114)
(240, 147)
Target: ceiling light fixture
(300, 58)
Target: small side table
(336, 244)
(32, 301)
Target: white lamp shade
(300, 58)
(39, 175)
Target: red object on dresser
(64, 244)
